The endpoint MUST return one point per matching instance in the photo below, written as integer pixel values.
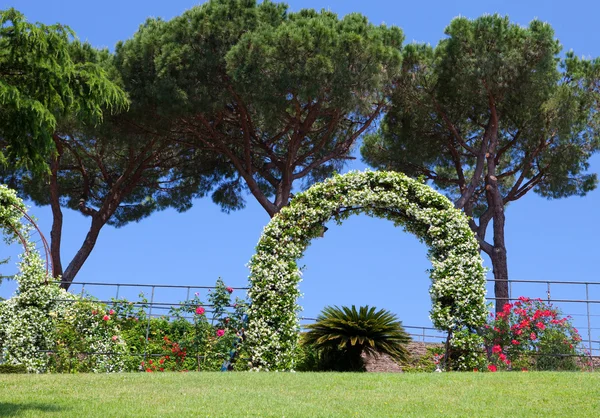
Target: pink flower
(111, 312)
(540, 325)
(229, 289)
(200, 310)
(105, 318)
(492, 368)
(220, 332)
(533, 336)
(115, 338)
(514, 342)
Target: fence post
(548, 291)
(589, 324)
(148, 324)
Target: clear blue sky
(365, 261)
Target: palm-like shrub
(343, 334)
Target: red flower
(496, 349)
(111, 312)
(475, 370)
(105, 318)
(514, 342)
(148, 370)
(161, 361)
(229, 289)
(220, 332)
(524, 369)
(200, 310)
(502, 356)
(518, 332)
(533, 336)
(540, 325)
(524, 299)
(492, 368)
(94, 312)
(507, 307)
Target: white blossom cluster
(458, 276)
(29, 320)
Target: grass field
(301, 395)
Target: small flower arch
(458, 276)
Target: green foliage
(348, 333)
(458, 281)
(13, 368)
(274, 92)
(82, 328)
(43, 81)
(440, 119)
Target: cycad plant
(342, 334)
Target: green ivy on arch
(458, 276)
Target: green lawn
(301, 395)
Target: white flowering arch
(458, 277)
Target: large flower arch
(458, 277)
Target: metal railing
(584, 311)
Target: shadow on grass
(8, 409)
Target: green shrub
(12, 368)
(341, 335)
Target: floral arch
(458, 277)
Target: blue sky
(365, 261)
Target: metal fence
(578, 299)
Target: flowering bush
(192, 337)
(42, 321)
(81, 331)
(458, 281)
(530, 334)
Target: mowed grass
(301, 395)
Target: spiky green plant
(348, 332)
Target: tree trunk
(57, 220)
(83, 253)
(500, 265)
(498, 251)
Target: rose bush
(530, 334)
